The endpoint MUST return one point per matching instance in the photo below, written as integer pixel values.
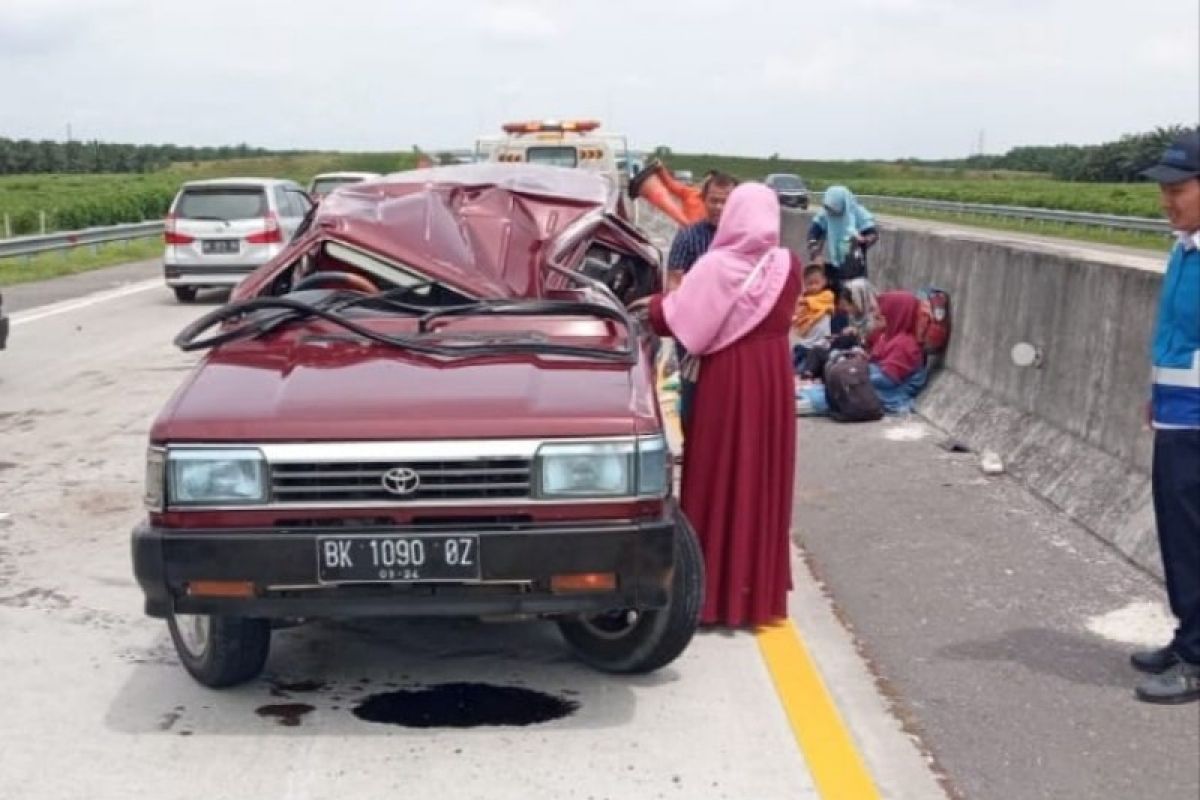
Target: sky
(838, 79)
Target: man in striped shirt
(1175, 412)
(688, 245)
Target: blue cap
(1179, 162)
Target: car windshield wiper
(291, 310)
(206, 218)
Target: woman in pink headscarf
(733, 311)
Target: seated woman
(897, 368)
(858, 307)
(855, 319)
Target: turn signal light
(583, 582)
(220, 588)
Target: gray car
(792, 191)
(219, 231)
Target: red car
(432, 403)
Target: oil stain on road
(463, 705)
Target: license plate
(217, 246)
(392, 559)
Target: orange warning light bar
(536, 126)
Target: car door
(293, 205)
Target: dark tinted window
(554, 156)
(222, 202)
(786, 183)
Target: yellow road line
(836, 766)
(834, 762)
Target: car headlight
(212, 476)
(154, 478)
(603, 469)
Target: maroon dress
(738, 466)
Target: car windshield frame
(261, 315)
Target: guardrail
(65, 240)
(1110, 221)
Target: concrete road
(1000, 628)
(96, 705)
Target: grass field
(900, 180)
(70, 202)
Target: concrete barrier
(1072, 429)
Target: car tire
(220, 651)
(658, 636)
(804, 204)
(185, 294)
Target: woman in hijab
(840, 234)
(733, 311)
(897, 362)
(855, 319)
(858, 303)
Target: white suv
(219, 231)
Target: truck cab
(573, 144)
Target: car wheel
(627, 641)
(804, 204)
(220, 651)
(185, 294)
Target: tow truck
(574, 144)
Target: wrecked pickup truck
(432, 403)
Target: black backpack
(848, 389)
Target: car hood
(324, 388)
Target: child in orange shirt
(814, 311)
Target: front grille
(482, 479)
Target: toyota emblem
(401, 480)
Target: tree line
(24, 156)
(1112, 162)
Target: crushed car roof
(483, 227)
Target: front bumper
(516, 561)
(206, 274)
